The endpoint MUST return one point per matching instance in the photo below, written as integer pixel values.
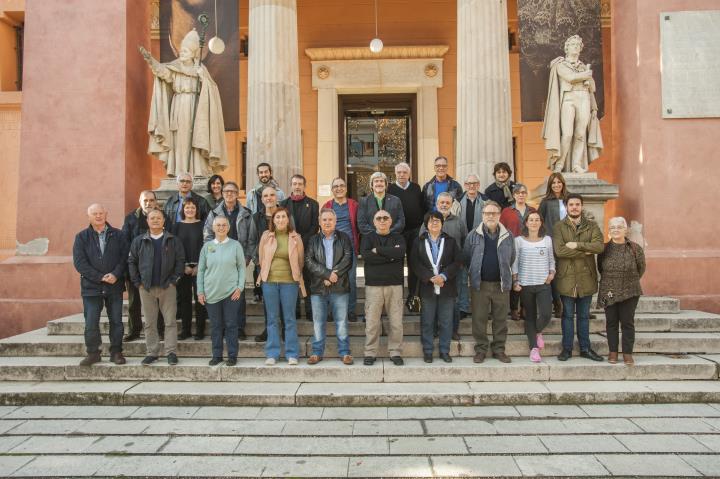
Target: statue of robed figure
(186, 127)
(571, 128)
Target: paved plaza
(627, 440)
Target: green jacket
(576, 271)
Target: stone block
(213, 427)
(475, 466)
(10, 464)
(9, 442)
(227, 412)
(656, 443)
(674, 425)
(504, 445)
(313, 446)
(290, 413)
(504, 393)
(708, 465)
(465, 426)
(387, 428)
(427, 445)
(130, 444)
(212, 394)
(58, 393)
(431, 412)
(67, 466)
(463, 369)
(54, 445)
(646, 465)
(327, 371)
(579, 443)
(164, 412)
(350, 413)
(564, 411)
(383, 394)
(463, 412)
(396, 466)
(560, 465)
(588, 392)
(200, 445)
(323, 428)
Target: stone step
(223, 393)
(39, 343)
(684, 321)
(647, 304)
(462, 369)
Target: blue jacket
(474, 251)
(93, 265)
(428, 192)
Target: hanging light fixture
(216, 44)
(376, 45)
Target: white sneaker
(292, 362)
(270, 362)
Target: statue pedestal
(169, 187)
(595, 193)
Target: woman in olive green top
(281, 258)
(220, 281)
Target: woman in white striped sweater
(533, 270)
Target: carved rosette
(431, 70)
(323, 72)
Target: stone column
(484, 120)
(273, 91)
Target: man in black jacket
(441, 182)
(304, 212)
(174, 204)
(383, 252)
(136, 225)
(156, 263)
(100, 256)
(376, 200)
(328, 259)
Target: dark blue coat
(93, 265)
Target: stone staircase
(677, 356)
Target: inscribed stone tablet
(690, 43)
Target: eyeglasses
(472, 183)
(184, 181)
(222, 225)
(334, 187)
(491, 213)
(441, 166)
(382, 218)
(520, 193)
(234, 192)
(616, 227)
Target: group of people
(487, 255)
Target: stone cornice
(387, 53)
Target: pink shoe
(535, 355)
(540, 341)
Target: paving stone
(200, 445)
(531, 426)
(220, 427)
(303, 467)
(352, 413)
(212, 394)
(65, 466)
(290, 413)
(682, 410)
(484, 411)
(227, 412)
(313, 446)
(112, 426)
(555, 465)
(460, 426)
(45, 426)
(587, 392)
(396, 466)
(224, 466)
(475, 466)
(318, 428)
(551, 411)
(712, 442)
(163, 466)
(646, 465)
(10, 464)
(54, 445)
(419, 412)
(675, 425)
(387, 428)
(63, 392)
(615, 410)
(164, 412)
(100, 412)
(685, 391)
(128, 444)
(579, 443)
(509, 393)
(603, 425)
(708, 465)
(464, 369)
(427, 445)
(9, 442)
(5, 410)
(383, 394)
(505, 445)
(661, 443)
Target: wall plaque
(690, 45)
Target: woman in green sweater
(220, 281)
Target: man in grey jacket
(489, 253)
(242, 229)
(379, 200)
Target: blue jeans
(224, 323)
(438, 308)
(570, 306)
(275, 294)
(92, 307)
(338, 302)
(352, 302)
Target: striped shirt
(533, 261)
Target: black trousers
(411, 236)
(187, 293)
(135, 325)
(537, 301)
(621, 314)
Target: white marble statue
(571, 129)
(175, 103)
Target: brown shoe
(118, 358)
(612, 358)
(314, 359)
(502, 357)
(479, 357)
(515, 315)
(347, 360)
(90, 359)
(628, 359)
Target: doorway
(377, 132)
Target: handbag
(414, 303)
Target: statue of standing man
(571, 129)
(187, 131)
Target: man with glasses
(489, 253)
(346, 210)
(414, 210)
(441, 182)
(380, 200)
(383, 251)
(242, 229)
(174, 204)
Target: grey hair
(574, 38)
(518, 187)
(378, 174)
(184, 174)
(266, 187)
(227, 220)
(444, 194)
(492, 203)
(618, 219)
(96, 204)
(403, 165)
(328, 210)
(471, 175)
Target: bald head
(97, 214)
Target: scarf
(435, 264)
(297, 197)
(505, 189)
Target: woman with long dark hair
(214, 189)
(553, 208)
